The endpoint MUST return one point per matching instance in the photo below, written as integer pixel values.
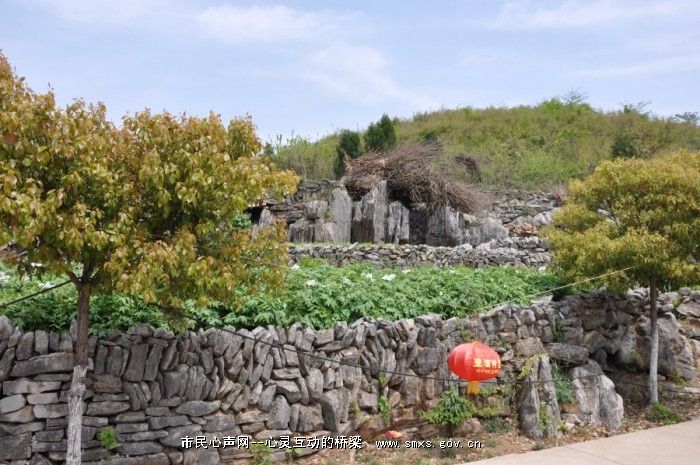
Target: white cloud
(360, 73)
(668, 65)
(581, 13)
(270, 23)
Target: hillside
(525, 146)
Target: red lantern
(474, 362)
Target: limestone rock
(536, 401)
(567, 353)
(598, 403)
(60, 362)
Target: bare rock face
(598, 403)
(369, 216)
(341, 215)
(536, 400)
(397, 223)
(444, 227)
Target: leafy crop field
(316, 294)
(525, 146)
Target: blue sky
(314, 67)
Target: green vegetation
(452, 410)
(380, 136)
(316, 294)
(349, 148)
(108, 438)
(563, 387)
(384, 409)
(640, 216)
(660, 413)
(260, 454)
(525, 146)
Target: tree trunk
(77, 389)
(654, 352)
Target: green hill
(525, 146)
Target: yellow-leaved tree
(640, 216)
(148, 208)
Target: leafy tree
(380, 136)
(349, 147)
(147, 209)
(640, 216)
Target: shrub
(624, 146)
(452, 410)
(380, 136)
(349, 148)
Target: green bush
(452, 410)
(349, 148)
(380, 136)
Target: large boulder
(675, 351)
(536, 400)
(444, 227)
(397, 223)
(598, 403)
(341, 214)
(369, 216)
(479, 231)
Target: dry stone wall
(155, 387)
(518, 251)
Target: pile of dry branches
(412, 177)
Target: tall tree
(380, 136)
(147, 209)
(349, 148)
(642, 216)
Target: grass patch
(659, 413)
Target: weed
(385, 409)
(660, 413)
(260, 454)
(537, 446)
(563, 387)
(495, 425)
(108, 438)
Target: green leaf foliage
(150, 208)
(637, 214)
(316, 294)
(380, 136)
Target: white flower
(406, 271)
(3, 277)
(451, 271)
(295, 266)
(46, 285)
(346, 281)
(311, 282)
(389, 277)
(368, 276)
(36, 264)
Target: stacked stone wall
(154, 387)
